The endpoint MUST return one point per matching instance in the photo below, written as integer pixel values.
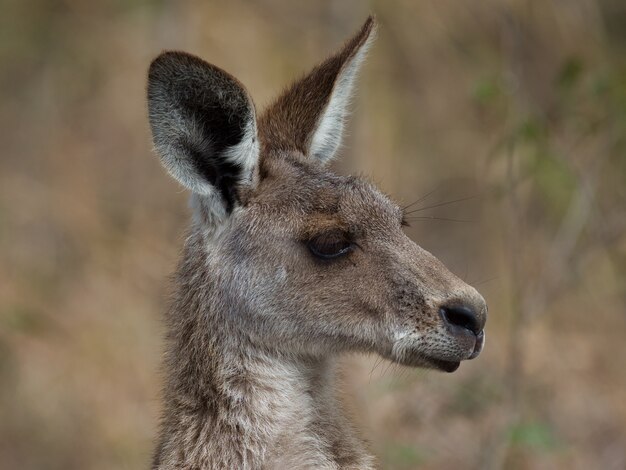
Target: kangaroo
(286, 266)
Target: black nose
(462, 316)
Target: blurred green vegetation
(515, 107)
(536, 436)
(403, 456)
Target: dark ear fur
(309, 116)
(203, 125)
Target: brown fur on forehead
(321, 199)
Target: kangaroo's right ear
(203, 127)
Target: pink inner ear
(316, 103)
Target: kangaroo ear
(309, 116)
(204, 128)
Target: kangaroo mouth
(413, 357)
(451, 366)
(479, 345)
(446, 366)
(418, 359)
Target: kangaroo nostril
(462, 316)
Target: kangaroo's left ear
(204, 129)
(309, 116)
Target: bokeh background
(504, 121)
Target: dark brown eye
(330, 245)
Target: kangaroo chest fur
(230, 404)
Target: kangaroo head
(306, 262)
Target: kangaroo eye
(330, 245)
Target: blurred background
(504, 121)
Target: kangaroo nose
(462, 317)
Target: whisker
(386, 369)
(376, 364)
(442, 204)
(422, 198)
(395, 376)
(432, 217)
(484, 281)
